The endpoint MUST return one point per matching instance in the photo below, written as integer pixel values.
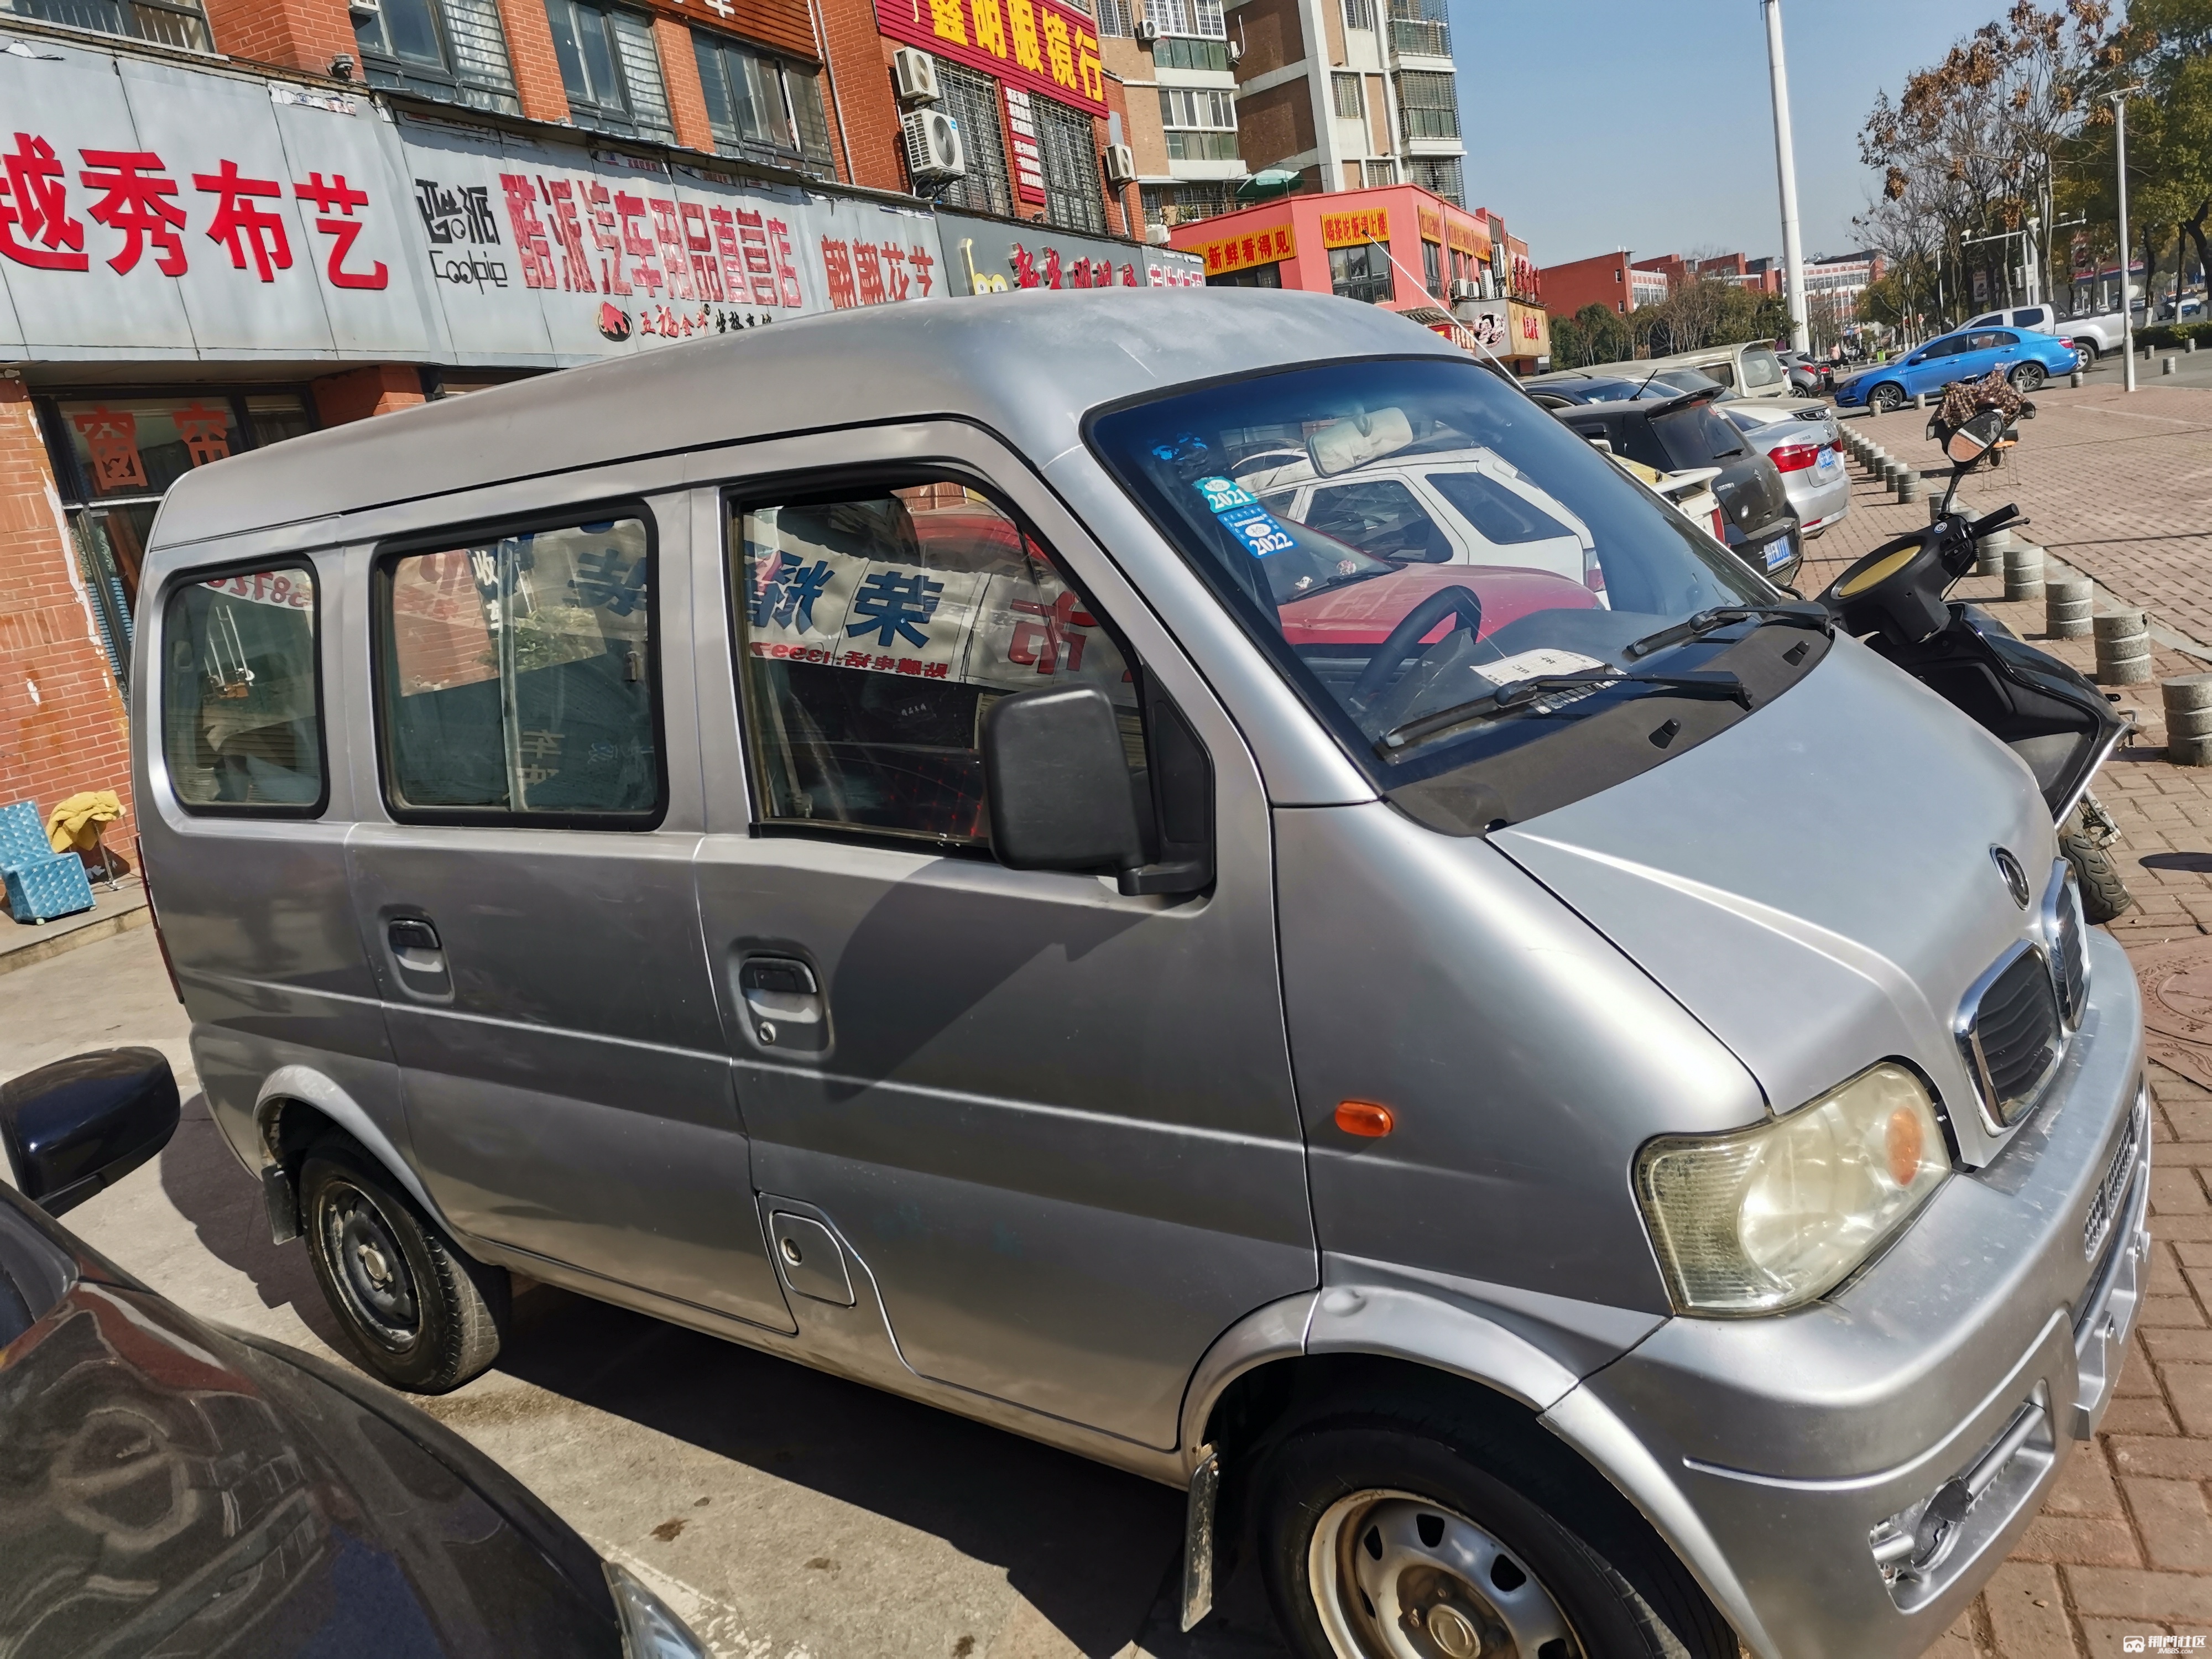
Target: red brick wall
(860, 59)
(377, 390)
(63, 727)
(304, 35)
(1602, 280)
(679, 72)
(530, 50)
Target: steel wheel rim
(1396, 1576)
(370, 1270)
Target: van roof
(1028, 365)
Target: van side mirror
(83, 1123)
(1058, 783)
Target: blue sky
(1593, 125)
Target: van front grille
(2009, 1031)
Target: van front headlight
(1765, 1219)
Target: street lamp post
(2127, 305)
(1785, 164)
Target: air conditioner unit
(1121, 166)
(1148, 32)
(1236, 54)
(1157, 234)
(933, 153)
(914, 74)
(1465, 287)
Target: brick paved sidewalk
(2123, 1546)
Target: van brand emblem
(2016, 879)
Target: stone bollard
(2188, 700)
(1989, 552)
(2190, 345)
(2075, 378)
(2068, 606)
(2023, 572)
(1920, 400)
(1909, 487)
(2165, 365)
(2123, 647)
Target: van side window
(874, 627)
(241, 709)
(517, 680)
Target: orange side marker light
(1363, 1117)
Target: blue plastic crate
(22, 834)
(54, 885)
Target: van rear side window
(516, 680)
(241, 706)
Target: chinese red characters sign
(1263, 247)
(1035, 44)
(1351, 230)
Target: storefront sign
(1351, 230)
(150, 211)
(1467, 236)
(1432, 224)
(1038, 45)
(1263, 247)
(1021, 134)
(1529, 332)
(989, 256)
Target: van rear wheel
(1382, 1537)
(414, 1310)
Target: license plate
(2110, 1191)
(1778, 551)
(1830, 461)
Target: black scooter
(2052, 718)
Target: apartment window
(1071, 197)
(1361, 273)
(1351, 95)
(1428, 104)
(1201, 124)
(1439, 174)
(972, 101)
(450, 49)
(164, 22)
(1181, 205)
(610, 68)
(1176, 51)
(1381, 172)
(1420, 27)
(1117, 18)
(1201, 18)
(761, 109)
(1359, 14)
(1433, 267)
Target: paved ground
(790, 1515)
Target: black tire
(1885, 398)
(1558, 1540)
(2104, 894)
(414, 1310)
(2028, 377)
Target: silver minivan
(1574, 1115)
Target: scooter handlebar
(1988, 521)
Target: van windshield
(1406, 537)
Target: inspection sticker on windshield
(1242, 516)
(1529, 664)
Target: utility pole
(1785, 165)
(2127, 305)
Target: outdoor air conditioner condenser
(933, 155)
(915, 75)
(1148, 32)
(1121, 166)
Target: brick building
(226, 222)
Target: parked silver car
(1800, 436)
(1555, 1122)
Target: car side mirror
(1058, 783)
(83, 1123)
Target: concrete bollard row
(2165, 365)
(2188, 700)
(2068, 606)
(1909, 487)
(2074, 378)
(2023, 572)
(2123, 647)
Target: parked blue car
(2028, 359)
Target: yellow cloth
(75, 823)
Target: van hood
(1816, 884)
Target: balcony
(1420, 27)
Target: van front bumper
(1845, 1477)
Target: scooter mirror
(1969, 442)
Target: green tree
(1594, 334)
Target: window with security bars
(1201, 18)
(760, 108)
(1350, 95)
(972, 101)
(1181, 205)
(162, 21)
(1441, 174)
(1201, 123)
(1359, 14)
(1381, 172)
(1420, 27)
(454, 50)
(1118, 17)
(1072, 199)
(610, 69)
(1428, 104)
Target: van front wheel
(1436, 1536)
(414, 1310)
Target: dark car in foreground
(169, 1488)
(1686, 431)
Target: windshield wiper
(1517, 693)
(1808, 614)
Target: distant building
(1832, 286)
(1610, 280)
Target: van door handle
(414, 945)
(784, 1009)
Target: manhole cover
(2177, 992)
